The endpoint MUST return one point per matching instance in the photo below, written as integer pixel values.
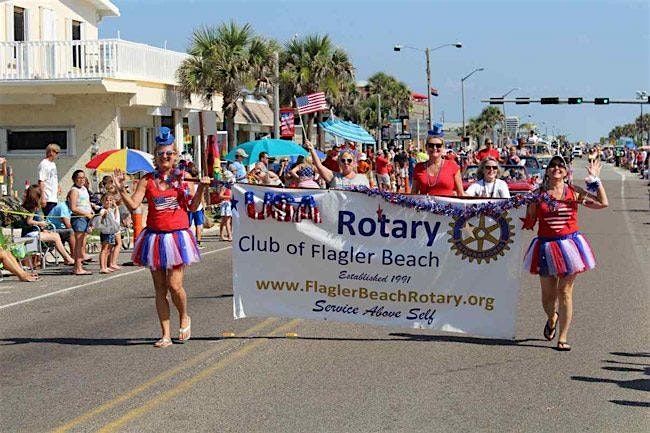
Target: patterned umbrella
(128, 160)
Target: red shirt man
(488, 151)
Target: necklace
(171, 178)
(435, 182)
(494, 187)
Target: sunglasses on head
(165, 153)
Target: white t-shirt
(496, 189)
(338, 181)
(48, 175)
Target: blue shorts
(79, 224)
(197, 218)
(107, 238)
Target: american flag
(165, 203)
(311, 103)
(287, 126)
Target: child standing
(225, 195)
(108, 225)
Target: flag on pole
(311, 103)
(434, 91)
(287, 125)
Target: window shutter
(30, 21)
(68, 29)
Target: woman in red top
(560, 251)
(437, 176)
(166, 245)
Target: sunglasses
(435, 145)
(165, 153)
(491, 167)
(347, 160)
(556, 165)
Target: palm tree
(227, 60)
(313, 64)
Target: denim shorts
(79, 224)
(197, 218)
(107, 238)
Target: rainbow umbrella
(128, 160)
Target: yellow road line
(188, 383)
(161, 377)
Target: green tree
(313, 64)
(227, 59)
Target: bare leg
(199, 233)
(103, 259)
(179, 297)
(115, 252)
(162, 304)
(54, 237)
(11, 264)
(565, 298)
(229, 228)
(80, 252)
(549, 297)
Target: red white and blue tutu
(559, 256)
(165, 250)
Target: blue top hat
(437, 130)
(164, 137)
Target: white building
(60, 83)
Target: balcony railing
(73, 60)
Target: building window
(33, 141)
(76, 49)
(19, 24)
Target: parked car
(516, 177)
(577, 151)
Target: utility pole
(276, 95)
(430, 123)
(378, 123)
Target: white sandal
(162, 343)
(187, 330)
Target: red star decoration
(380, 212)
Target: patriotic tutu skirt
(165, 250)
(559, 256)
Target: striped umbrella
(347, 130)
(128, 160)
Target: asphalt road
(76, 355)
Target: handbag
(106, 224)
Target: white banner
(345, 256)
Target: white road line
(90, 283)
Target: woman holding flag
(560, 252)
(166, 245)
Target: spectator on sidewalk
(79, 202)
(48, 178)
(10, 263)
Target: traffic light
(601, 101)
(547, 101)
(575, 101)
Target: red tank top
(561, 221)
(441, 184)
(167, 209)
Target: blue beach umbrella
(274, 147)
(347, 130)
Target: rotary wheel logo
(481, 238)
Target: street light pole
(427, 52)
(430, 123)
(276, 95)
(641, 94)
(462, 92)
(378, 123)
(503, 108)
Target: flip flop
(83, 273)
(549, 333)
(162, 343)
(563, 346)
(187, 330)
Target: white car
(577, 151)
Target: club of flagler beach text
(349, 255)
(397, 296)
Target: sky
(543, 48)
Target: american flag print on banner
(287, 125)
(311, 103)
(165, 203)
